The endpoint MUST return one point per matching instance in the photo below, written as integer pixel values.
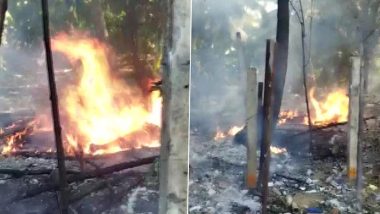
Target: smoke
(218, 86)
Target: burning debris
(101, 113)
(101, 110)
(108, 125)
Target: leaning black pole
(268, 126)
(63, 202)
(3, 10)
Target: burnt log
(23, 172)
(118, 155)
(87, 175)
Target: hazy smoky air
(217, 96)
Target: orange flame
(11, 141)
(286, 115)
(333, 109)
(231, 132)
(102, 110)
(220, 135)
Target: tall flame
(333, 109)
(100, 108)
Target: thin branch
(296, 11)
(302, 13)
(310, 30)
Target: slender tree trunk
(281, 59)
(175, 129)
(141, 73)
(369, 37)
(99, 21)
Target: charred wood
(87, 175)
(23, 172)
(85, 190)
(52, 155)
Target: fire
(234, 130)
(333, 109)
(220, 135)
(231, 132)
(287, 115)
(11, 142)
(102, 113)
(277, 150)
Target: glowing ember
(102, 111)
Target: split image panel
(94, 106)
(283, 106)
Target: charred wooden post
(268, 120)
(55, 110)
(281, 61)
(260, 134)
(252, 129)
(354, 119)
(3, 10)
(175, 90)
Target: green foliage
(104, 19)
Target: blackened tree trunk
(281, 58)
(3, 10)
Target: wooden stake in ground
(252, 129)
(268, 126)
(175, 130)
(260, 122)
(353, 132)
(63, 199)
